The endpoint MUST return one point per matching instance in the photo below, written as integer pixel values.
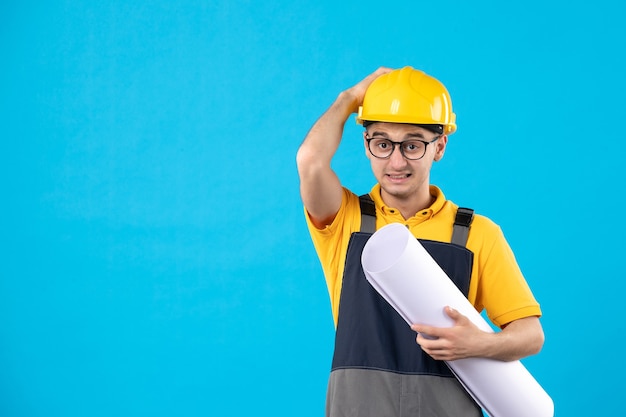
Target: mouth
(398, 177)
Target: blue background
(154, 255)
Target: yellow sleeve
(331, 244)
(501, 287)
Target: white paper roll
(405, 275)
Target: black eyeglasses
(410, 149)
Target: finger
(435, 351)
(452, 313)
(430, 341)
(455, 315)
(362, 86)
(419, 339)
(426, 330)
(382, 70)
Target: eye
(382, 144)
(413, 146)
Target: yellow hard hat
(410, 96)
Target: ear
(367, 152)
(440, 147)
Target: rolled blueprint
(409, 279)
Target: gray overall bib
(378, 369)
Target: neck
(409, 205)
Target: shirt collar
(434, 208)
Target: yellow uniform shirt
(497, 284)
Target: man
(378, 369)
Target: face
(403, 180)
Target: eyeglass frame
(393, 147)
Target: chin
(398, 192)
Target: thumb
(452, 313)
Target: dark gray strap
(368, 214)
(460, 231)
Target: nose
(396, 158)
